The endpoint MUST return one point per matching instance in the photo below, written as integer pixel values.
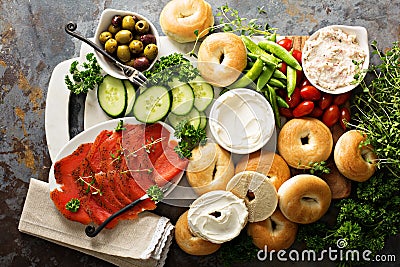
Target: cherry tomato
(325, 101)
(286, 43)
(297, 55)
(331, 115)
(309, 92)
(283, 67)
(344, 116)
(286, 112)
(303, 109)
(317, 112)
(299, 77)
(305, 82)
(294, 99)
(341, 99)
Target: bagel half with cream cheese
(190, 243)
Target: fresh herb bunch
(319, 168)
(372, 214)
(155, 193)
(73, 205)
(229, 20)
(240, 250)
(171, 66)
(84, 78)
(189, 138)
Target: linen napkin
(144, 241)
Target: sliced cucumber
(203, 120)
(112, 97)
(203, 92)
(152, 105)
(182, 97)
(193, 117)
(131, 95)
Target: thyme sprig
(90, 185)
(229, 20)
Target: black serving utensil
(131, 73)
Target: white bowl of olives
(130, 38)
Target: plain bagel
(180, 19)
(210, 168)
(304, 198)
(304, 140)
(258, 193)
(353, 160)
(274, 233)
(190, 243)
(268, 163)
(222, 57)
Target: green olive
(123, 36)
(136, 46)
(111, 45)
(113, 29)
(128, 23)
(104, 36)
(150, 51)
(123, 53)
(142, 26)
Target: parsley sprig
(84, 77)
(155, 193)
(73, 205)
(189, 137)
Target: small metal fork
(133, 75)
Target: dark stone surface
(33, 42)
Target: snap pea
(272, 37)
(279, 74)
(256, 50)
(291, 80)
(276, 83)
(281, 102)
(265, 76)
(250, 76)
(280, 52)
(274, 105)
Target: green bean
(276, 83)
(274, 105)
(291, 80)
(281, 102)
(265, 76)
(272, 37)
(280, 52)
(250, 76)
(256, 50)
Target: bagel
(180, 19)
(354, 160)
(190, 243)
(217, 216)
(304, 140)
(268, 163)
(304, 198)
(258, 193)
(274, 233)
(210, 168)
(222, 57)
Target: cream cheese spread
(242, 121)
(331, 59)
(217, 216)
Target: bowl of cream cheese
(241, 121)
(334, 58)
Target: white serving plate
(89, 135)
